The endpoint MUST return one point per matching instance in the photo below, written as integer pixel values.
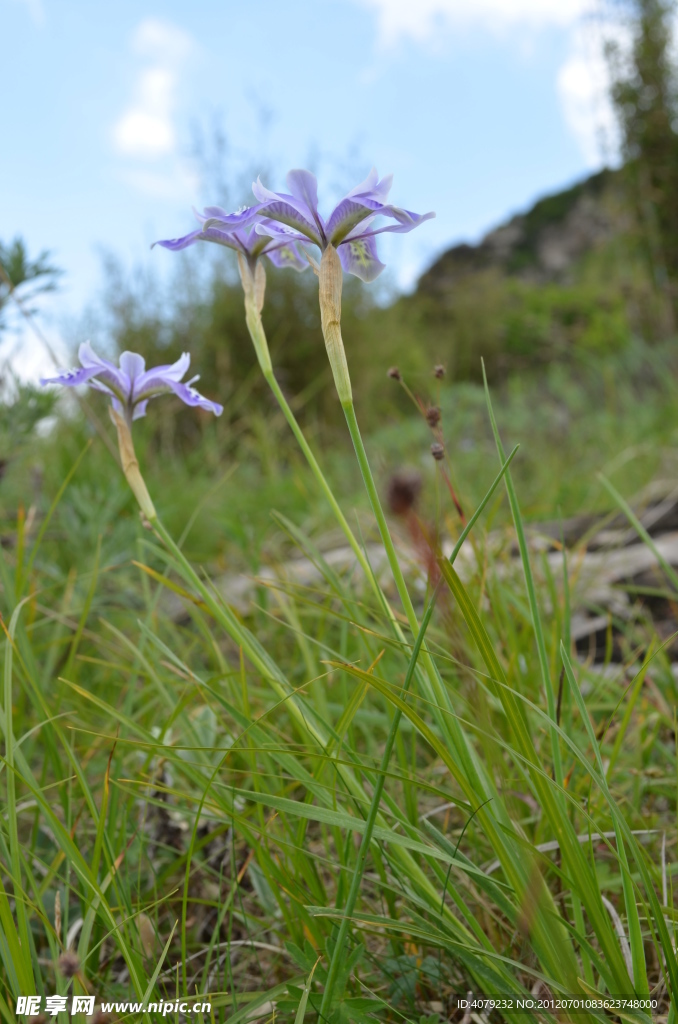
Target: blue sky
(477, 106)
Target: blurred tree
(22, 405)
(24, 277)
(646, 100)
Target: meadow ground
(185, 798)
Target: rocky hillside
(568, 275)
(543, 244)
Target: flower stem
(434, 689)
(258, 336)
(373, 495)
(321, 480)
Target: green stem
(322, 482)
(255, 326)
(261, 347)
(372, 493)
(258, 335)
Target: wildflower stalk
(330, 283)
(253, 287)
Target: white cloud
(421, 19)
(146, 129)
(583, 85)
(582, 81)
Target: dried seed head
(69, 964)
(394, 373)
(438, 451)
(439, 371)
(403, 490)
(433, 416)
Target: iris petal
(286, 255)
(191, 397)
(344, 218)
(283, 212)
(406, 222)
(279, 232)
(71, 378)
(106, 371)
(133, 365)
(359, 257)
(304, 186)
(373, 187)
(231, 221)
(130, 386)
(176, 244)
(159, 376)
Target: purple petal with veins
(286, 255)
(285, 213)
(372, 187)
(191, 397)
(280, 232)
(266, 238)
(131, 385)
(176, 244)
(134, 366)
(304, 187)
(156, 380)
(230, 221)
(359, 257)
(349, 224)
(71, 378)
(407, 222)
(344, 218)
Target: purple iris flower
(245, 240)
(131, 385)
(294, 217)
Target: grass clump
(185, 800)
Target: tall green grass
(205, 807)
